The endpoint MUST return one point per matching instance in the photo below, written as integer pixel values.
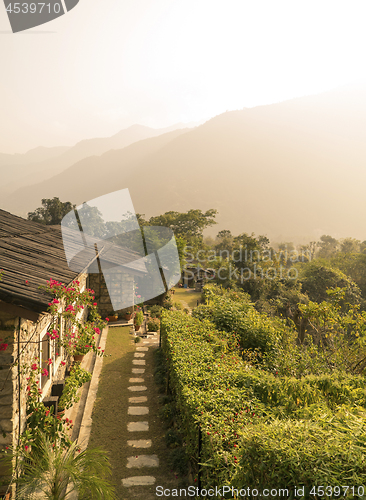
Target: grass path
(187, 297)
(110, 418)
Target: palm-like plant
(51, 472)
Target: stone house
(196, 277)
(31, 254)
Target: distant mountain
(16, 166)
(42, 163)
(293, 170)
(31, 156)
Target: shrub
(155, 311)
(179, 461)
(153, 325)
(289, 454)
(234, 313)
(173, 439)
(139, 318)
(243, 413)
(78, 376)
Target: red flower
(34, 366)
(63, 363)
(26, 282)
(107, 319)
(49, 362)
(44, 373)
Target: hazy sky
(108, 64)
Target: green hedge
(233, 312)
(235, 405)
(304, 453)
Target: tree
(350, 245)
(328, 246)
(46, 470)
(318, 276)
(224, 242)
(189, 225)
(338, 331)
(52, 211)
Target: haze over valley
(292, 170)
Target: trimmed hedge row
(253, 421)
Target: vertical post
(199, 456)
(167, 383)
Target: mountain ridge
(290, 170)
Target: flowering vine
(80, 336)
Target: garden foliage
(263, 422)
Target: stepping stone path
(138, 405)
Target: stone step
(138, 399)
(138, 370)
(136, 380)
(138, 410)
(139, 354)
(138, 481)
(142, 348)
(140, 461)
(139, 443)
(138, 426)
(139, 362)
(137, 388)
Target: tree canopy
(51, 212)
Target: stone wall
(97, 283)
(13, 381)
(8, 376)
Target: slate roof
(34, 252)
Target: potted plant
(139, 318)
(128, 314)
(113, 316)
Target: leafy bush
(155, 311)
(241, 411)
(78, 376)
(139, 317)
(153, 325)
(179, 460)
(303, 453)
(173, 439)
(233, 312)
